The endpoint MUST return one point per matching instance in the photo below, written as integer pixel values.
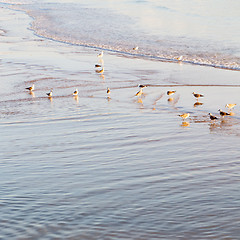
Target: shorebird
(223, 113)
(135, 48)
(171, 92)
(197, 95)
(180, 58)
(49, 94)
(100, 54)
(212, 117)
(139, 93)
(100, 71)
(230, 106)
(30, 88)
(75, 93)
(142, 86)
(108, 90)
(184, 115)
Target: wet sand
(117, 166)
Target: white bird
(139, 93)
(212, 117)
(197, 95)
(100, 71)
(30, 88)
(100, 54)
(184, 115)
(223, 113)
(49, 94)
(142, 86)
(180, 58)
(230, 106)
(75, 93)
(171, 92)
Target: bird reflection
(76, 98)
(185, 124)
(32, 94)
(213, 126)
(102, 76)
(196, 104)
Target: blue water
(124, 167)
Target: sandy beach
(113, 166)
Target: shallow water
(122, 167)
(204, 33)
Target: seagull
(197, 95)
(139, 93)
(223, 113)
(171, 92)
(100, 71)
(49, 94)
(30, 88)
(180, 58)
(135, 48)
(75, 93)
(212, 117)
(230, 106)
(184, 115)
(100, 54)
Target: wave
(106, 29)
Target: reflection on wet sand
(76, 98)
(185, 124)
(196, 104)
(32, 94)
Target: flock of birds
(230, 106)
(184, 116)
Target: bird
(100, 71)
(184, 115)
(135, 48)
(197, 95)
(49, 94)
(75, 93)
(180, 58)
(108, 90)
(142, 86)
(212, 117)
(171, 92)
(97, 65)
(100, 54)
(223, 113)
(230, 106)
(30, 88)
(139, 93)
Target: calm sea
(119, 166)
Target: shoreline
(125, 52)
(113, 165)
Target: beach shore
(105, 155)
